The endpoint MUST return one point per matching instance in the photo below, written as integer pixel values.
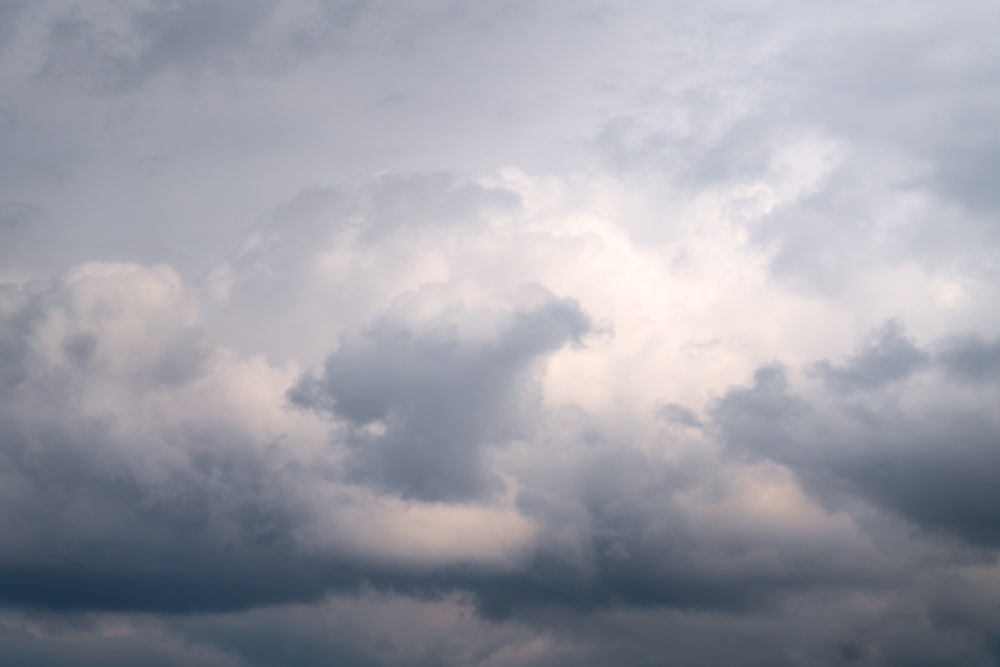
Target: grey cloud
(214, 523)
(916, 91)
(680, 415)
(85, 646)
(124, 46)
(399, 202)
(935, 464)
(905, 629)
(87, 529)
(442, 395)
(744, 152)
(152, 512)
(380, 206)
(376, 210)
(904, 107)
(96, 518)
(173, 35)
(374, 225)
(940, 476)
(970, 358)
(81, 308)
(887, 357)
(916, 86)
(20, 227)
(10, 16)
(621, 533)
(218, 533)
(755, 419)
(819, 240)
(184, 29)
(331, 25)
(178, 512)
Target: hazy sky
(482, 334)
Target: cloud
(10, 16)
(889, 357)
(147, 468)
(391, 630)
(680, 415)
(121, 493)
(851, 138)
(927, 455)
(331, 257)
(179, 35)
(498, 334)
(970, 358)
(441, 388)
(163, 473)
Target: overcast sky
(482, 334)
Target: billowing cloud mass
(501, 333)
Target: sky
(482, 334)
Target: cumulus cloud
(164, 472)
(149, 469)
(508, 334)
(123, 463)
(439, 392)
(925, 452)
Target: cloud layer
(363, 333)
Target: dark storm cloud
(936, 463)
(441, 396)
